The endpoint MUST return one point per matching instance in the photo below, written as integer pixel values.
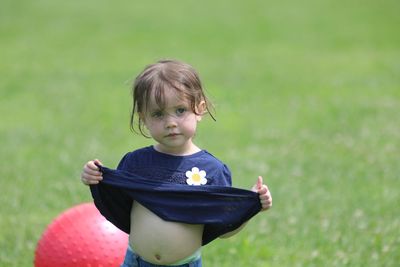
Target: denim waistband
(190, 259)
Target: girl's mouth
(172, 134)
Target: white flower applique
(196, 177)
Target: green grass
(307, 94)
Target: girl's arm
(234, 232)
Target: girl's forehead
(165, 98)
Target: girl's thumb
(259, 182)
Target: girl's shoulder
(212, 157)
(217, 171)
(134, 158)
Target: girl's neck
(191, 149)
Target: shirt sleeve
(221, 176)
(226, 176)
(123, 164)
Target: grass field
(307, 94)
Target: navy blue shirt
(194, 189)
(148, 162)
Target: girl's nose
(170, 122)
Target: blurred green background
(307, 94)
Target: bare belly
(161, 242)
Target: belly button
(158, 257)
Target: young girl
(168, 102)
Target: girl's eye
(180, 111)
(157, 114)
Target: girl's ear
(201, 109)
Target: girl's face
(173, 126)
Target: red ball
(81, 236)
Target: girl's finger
(259, 182)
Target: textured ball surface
(81, 236)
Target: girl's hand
(91, 173)
(263, 192)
